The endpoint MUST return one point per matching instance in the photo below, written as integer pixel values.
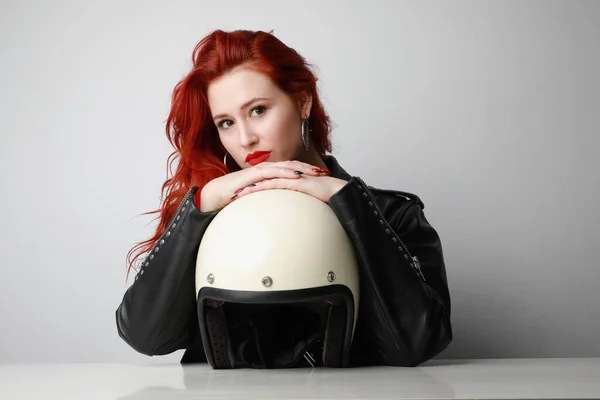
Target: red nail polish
(317, 169)
(325, 170)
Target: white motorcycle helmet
(277, 284)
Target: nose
(247, 135)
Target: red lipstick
(257, 157)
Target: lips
(257, 157)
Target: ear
(305, 105)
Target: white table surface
(441, 379)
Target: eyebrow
(243, 106)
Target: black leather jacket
(404, 310)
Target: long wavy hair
(189, 126)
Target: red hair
(190, 128)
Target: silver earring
(225, 159)
(305, 133)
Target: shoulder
(397, 195)
(384, 195)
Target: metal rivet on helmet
(267, 281)
(210, 278)
(331, 276)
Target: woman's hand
(320, 187)
(223, 190)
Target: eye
(258, 110)
(226, 123)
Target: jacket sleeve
(158, 312)
(404, 314)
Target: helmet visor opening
(272, 330)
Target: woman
(248, 118)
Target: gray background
(489, 111)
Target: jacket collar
(336, 169)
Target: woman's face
(255, 119)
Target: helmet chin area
(287, 329)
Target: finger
(277, 171)
(255, 175)
(311, 167)
(302, 167)
(240, 191)
(277, 183)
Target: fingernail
(237, 191)
(298, 172)
(317, 169)
(325, 170)
(252, 184)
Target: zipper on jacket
(414, 261)
(417, 265)
(182, 203)
(173, 218)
